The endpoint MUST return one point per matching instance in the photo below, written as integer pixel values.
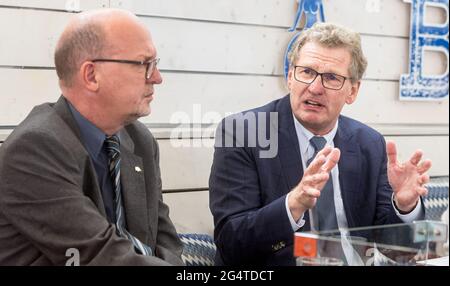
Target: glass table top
(417, 243)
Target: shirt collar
(304, 135)
(92, 137)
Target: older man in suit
(327, 171)
(81, 176)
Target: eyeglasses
(329, 80)
(150, 65)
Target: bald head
(87, 36)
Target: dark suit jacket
(247, 193)
(50, 199)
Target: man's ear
(89, 76)
(351, 97)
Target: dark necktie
(112, 145)
(325, 211)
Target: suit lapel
(62, 108)
(349, 165)
(133, 190)
(289, 152)
(93, 191)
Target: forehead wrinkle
(323, 62)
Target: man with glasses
(330, 172)
(80, 182)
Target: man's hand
(407, 179)
(305, 194)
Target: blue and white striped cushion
(436, 202)
(199, 249)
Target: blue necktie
(112, 145)
(325, 210)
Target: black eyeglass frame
(321, 77)
(148, 63)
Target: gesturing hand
(304, 195)
(407, 179)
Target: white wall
(226, 55)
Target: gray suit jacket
(50, 200)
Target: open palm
(407, 179)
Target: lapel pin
(137, 169)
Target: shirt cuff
(296, 225)
(411, 216)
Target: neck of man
(95, 113)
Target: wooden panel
(378, 102)
(215, 47)
(189, 211)
(185, 164)
(221, 94)
(70, 5)
(182, 95)
(215, 96)
(385, 17)
(193, 46)
(32, 40)
(381, 17)
(258, 50)
(23, 89)
(224, 47)
(268, 12)
(387, 58)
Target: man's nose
(316, 86)
(156, 77)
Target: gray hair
(77, 45)
(333, 36)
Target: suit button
(278, 246)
